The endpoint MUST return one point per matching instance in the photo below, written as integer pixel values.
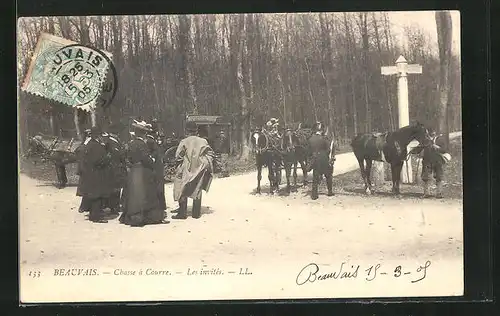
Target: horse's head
(289, 140)
(420, 133)
(258, 141)
(36, 147)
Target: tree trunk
(245, 148)
(326, 67)
(350, 69)
(311, 96)
(365, 50)
(76, 120)
(444, 31)
(186, 53)
(389, 49)
(54, 126)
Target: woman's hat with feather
(142, 126)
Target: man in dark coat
(322, 156)
(434, 157)
(95, 173)
(84, 205)
(141, 204)
(194, 173)
(118, 172)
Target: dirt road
(275, 237)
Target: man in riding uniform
(273, 127)
(321, 162)
(434, 157)
(194, 173)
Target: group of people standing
(115, 178)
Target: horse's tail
(357, 145)
(355, 141)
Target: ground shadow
(55, 185)
(308, 192)
(264, 188)
(283, 191)
(402, 195)
(110, 216)
(204, 210)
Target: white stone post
(402, 69)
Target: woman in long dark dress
(155, 151)
(141, 204)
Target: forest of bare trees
(248, 67)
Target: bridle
(257, 148)
(290, 145)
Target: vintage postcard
(240, 156)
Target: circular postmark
(82, 76)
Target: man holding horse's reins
(434, 157)
(321, 163)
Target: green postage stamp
(70, 73)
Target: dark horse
(58, 151)
(266, 154)
(294, 148)
(390, 147)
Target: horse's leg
(278, 173)
(368, 172)
(303, 164)
(288, 170)
(259, 174)
(295, 174)
(395, 175)
(270, 176)
(362, 169)
(399, 167)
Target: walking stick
(418, 165)
(407, 169)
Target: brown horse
(294, 152)
(266, 154)
(390, 147)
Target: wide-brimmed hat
(142, 125)
(272, 122)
